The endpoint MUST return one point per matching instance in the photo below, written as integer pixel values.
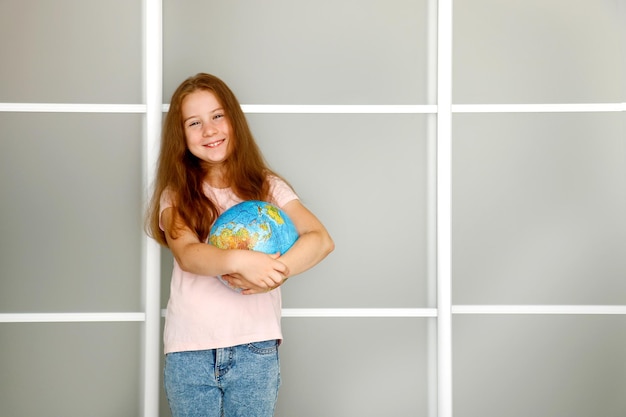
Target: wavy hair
(183, 174)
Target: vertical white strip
(152, 263)
(431, 203)
(444, 191)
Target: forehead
(199, 101)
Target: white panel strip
(431, 209)
(428, 109)
(360, 312)
(538, 108)
(153, 82)
(333, 312)
(72, 108)
(69, 317)
(326, 109)
(538, 309)
(444, 192)
(340, 109)
(333, 109)
(355, 312)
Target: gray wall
(538, 199)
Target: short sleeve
(166, 201)
(281, 192)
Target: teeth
(214, 144)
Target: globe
(253, 225)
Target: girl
(221, 345)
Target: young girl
(221, 345)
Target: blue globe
(254, 225)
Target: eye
(193, 123)
(218, 116)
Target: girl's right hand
(257, 272)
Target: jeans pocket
(266, 347)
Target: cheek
(191, 145)
(191, 139)
(230, 148)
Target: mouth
(215, 144)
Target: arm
(313, 244)
(260, 272)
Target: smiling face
(207, 129)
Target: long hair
(183, 174)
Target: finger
(251, 291)
(282, 269)
(275, 280)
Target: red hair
(182, 173)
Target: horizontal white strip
(333, 109)
(355, 312)
(72, 108)
(359, 312)
(339, 109)
(69, 317)
(334, 312)
(538, 108)
(326, 109)
(538, 309)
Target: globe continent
(253, 225)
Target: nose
(209, 130)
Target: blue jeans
(239, 381)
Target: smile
(215, 144)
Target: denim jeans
(239, 381)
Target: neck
(216, 178)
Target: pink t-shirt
(203, 313)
